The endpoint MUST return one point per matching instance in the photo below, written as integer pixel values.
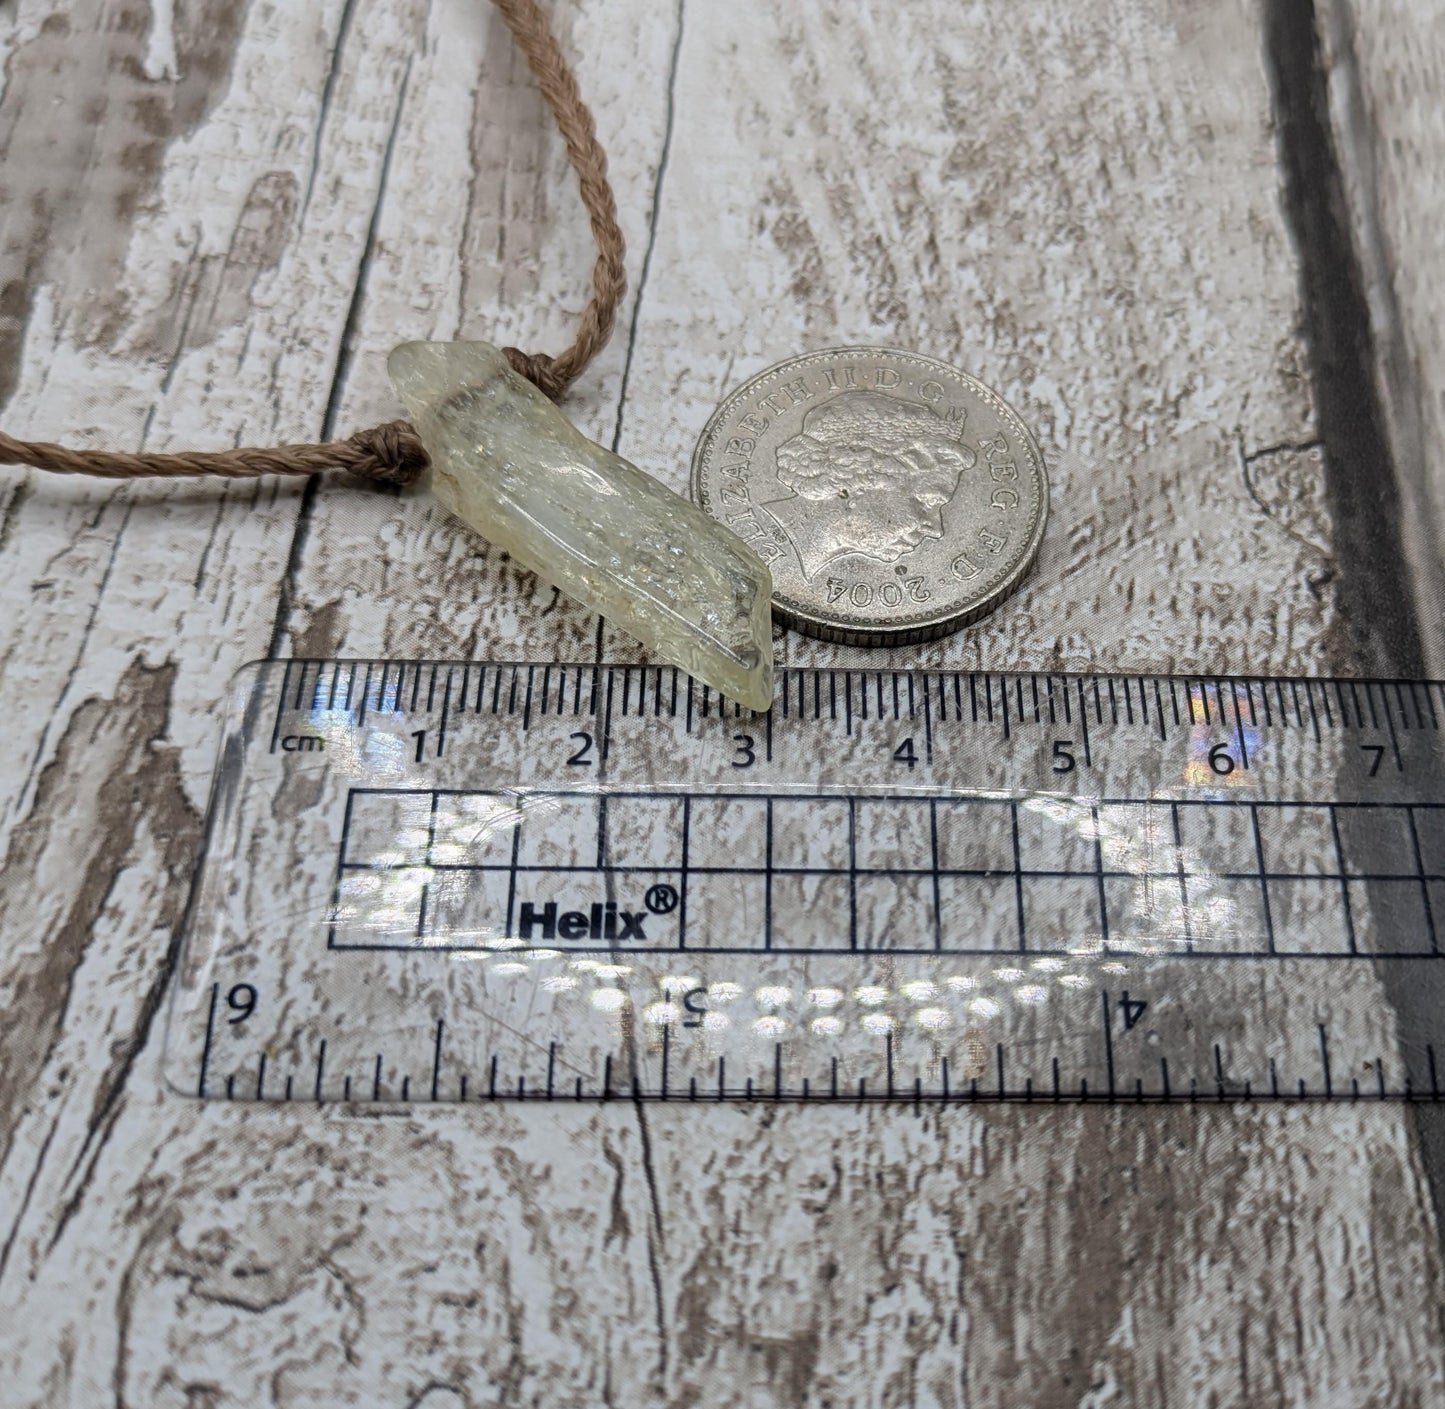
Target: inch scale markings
(582, 882)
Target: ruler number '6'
(241, 1000)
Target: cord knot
(389, 454)
(539, 369)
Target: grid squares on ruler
(888, 873)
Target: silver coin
(894, 498)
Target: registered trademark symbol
(661, 899)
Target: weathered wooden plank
(1384, 65)
(494, 246)
(1060, 202)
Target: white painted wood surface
(216, 220)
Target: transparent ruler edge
(1386, 710)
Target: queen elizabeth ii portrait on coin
(869, 474)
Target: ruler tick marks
(1424, 882)
(442, 722)
(1390, 726)
(1018, 877)
(436, 1061)
(1238, 728)
(210, 1033)
(768, 874)
(1314, 714)
(852, 874)
(682, 885)
(960, 930)
(1108, 1044)
(1099, 875)
(1263, 878)
(280, 708)
(1344, 884)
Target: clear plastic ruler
(462, 882)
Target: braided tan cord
(392, 453)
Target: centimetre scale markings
(840, 705)
(377, 1087)
(855, 696)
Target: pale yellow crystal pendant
(510, 465)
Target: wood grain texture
(1384, 61)
(1082, 208)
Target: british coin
(895, 498)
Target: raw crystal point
(510, 465)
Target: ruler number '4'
(1131, 1010)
